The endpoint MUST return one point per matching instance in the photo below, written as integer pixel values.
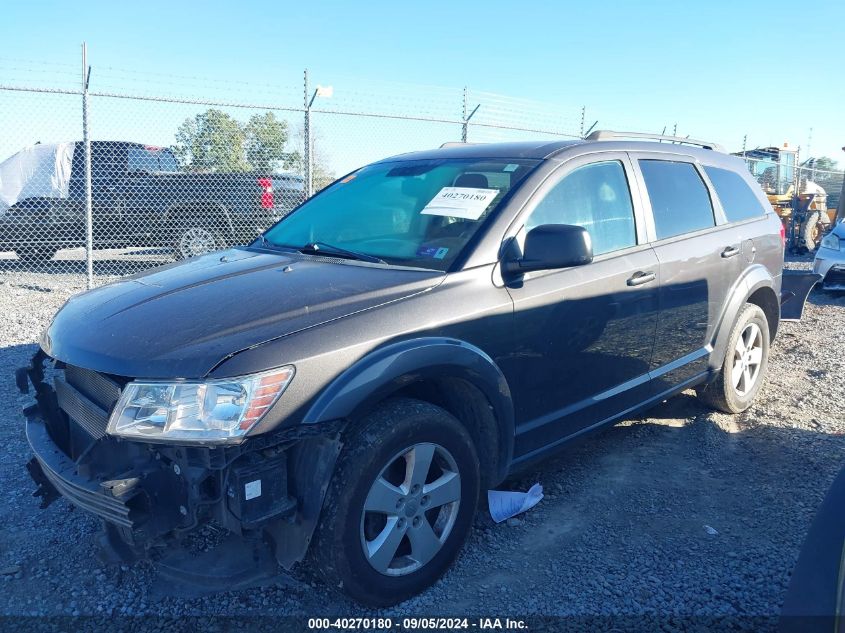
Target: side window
(737, 198)
(107, 160)
(594, 196)
(679, 199)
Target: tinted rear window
(679, 199)
(737, 198)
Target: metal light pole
(86, 143)
(319, 91)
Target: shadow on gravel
(655, 519)
(827, 297)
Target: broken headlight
(209, 411)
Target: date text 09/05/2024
(412, 623)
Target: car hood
(181, 320)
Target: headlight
(210, 411)
(830, 241)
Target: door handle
(640, 278)
(729, 252)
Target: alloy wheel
(748, 355)
(410, 509)
(196, 241)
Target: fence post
(86, 143)
(466, 117)
(306, 132)
(465, 124)
(840, 208)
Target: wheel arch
(757, 286)
(447, 372)
(215, 209)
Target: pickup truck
(140, 197)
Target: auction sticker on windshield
(460, 202)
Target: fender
(389, 368)
(753, 279)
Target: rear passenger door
(699, 260)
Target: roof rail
(456, 144)
(606, 135)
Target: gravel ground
(683, 512)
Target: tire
(811, 231)
(728, 392)
(384, 448)
(195, 238)
(37, 254)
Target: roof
(521, 149)
(543, 149)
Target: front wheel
(744, 365)
(400, 505)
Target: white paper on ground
(505, 504)
(460, 202)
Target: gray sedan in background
(830, 259)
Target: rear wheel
(744, 366)
(194, 238)
(400, 504)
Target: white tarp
(38, 171)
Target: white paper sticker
(252, 489)
(460, 202)
(511, 167)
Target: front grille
(80, 409)
(87, 398)
(97, 387)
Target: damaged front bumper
(269, 489)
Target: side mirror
(552, 246)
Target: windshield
(412, 213)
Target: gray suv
(343, 389)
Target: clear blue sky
(719, 69)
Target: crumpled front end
(149, 494)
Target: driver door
(584, 335)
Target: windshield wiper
(272, 245)
(316, 248)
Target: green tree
(824, 163)
(322, 174)
(266, 138)
(211, 141)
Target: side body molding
(389, 368)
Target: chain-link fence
(805, 194)
(141, 171)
